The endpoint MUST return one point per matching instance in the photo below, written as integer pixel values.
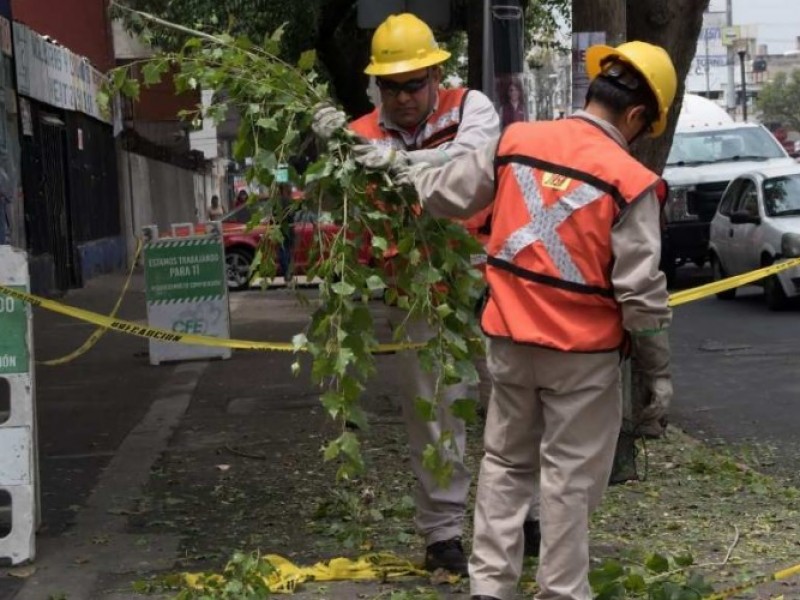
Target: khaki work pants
(556, 416)
(439, 511)
(484, 392)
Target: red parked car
(241, 243)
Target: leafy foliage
(433, 277)
(658, 577)
(779, 100)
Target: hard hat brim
(406, 66)
(596, 55)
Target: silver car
(757, 223)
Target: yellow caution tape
(737, 589)
(729, 283)
(286, 576)
(100, 331)
(163, 335)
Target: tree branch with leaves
(434, 278)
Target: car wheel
(719, 274)
(774, 294)
(238, 262)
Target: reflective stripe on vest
(544, 222)
(440, 127)
(550, 255)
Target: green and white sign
(181, 270)
(14, 356)
(186, 292)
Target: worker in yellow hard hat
(574, 281)
(420, 122)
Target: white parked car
(756, 224)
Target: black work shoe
(447, 555)
(533, 537)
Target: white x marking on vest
(545, 221)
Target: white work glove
(327, 120)
(651, 357)
(380, 157)
(407, 174)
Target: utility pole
(731, 89)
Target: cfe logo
(197, 326)
(555, 181)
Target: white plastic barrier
(187, 291)
(18, 454)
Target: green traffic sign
(13, 334)
(184, 270)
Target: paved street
(106, 419)
(737, 374)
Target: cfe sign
(186, 291)
(14, 355)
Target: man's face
(407, 98)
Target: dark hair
(618, 98)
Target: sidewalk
(240, 438)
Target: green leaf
(333, 402)
(350, 446)
(342, 288)
(684, 560)
(152, 72)
(425, 409)
(375, 282)
(299, 342)
(331, 451)
(268, 123)
(444, 310)
(635, 583)
(380, 243)
(465, 409)
(307, 60)
(130, 88)
(656, 563)
(608, 572)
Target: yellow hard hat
(652, 62)
(403, 43)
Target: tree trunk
(474, 26)
(600, 15)
(344, 50)
(675, 25)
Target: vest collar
(607, 127)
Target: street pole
(742, 54)
(708, 74)
(731, 90)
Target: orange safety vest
(561, 186)
(440, 127)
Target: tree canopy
(779, 100)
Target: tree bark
(474, 28)
(600, 15)
(674, 25)
(344, 50)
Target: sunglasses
(620, 73)
(393, 88)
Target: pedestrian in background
(241, 199)
(419, 122)
(573, 275)
(215, 211)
